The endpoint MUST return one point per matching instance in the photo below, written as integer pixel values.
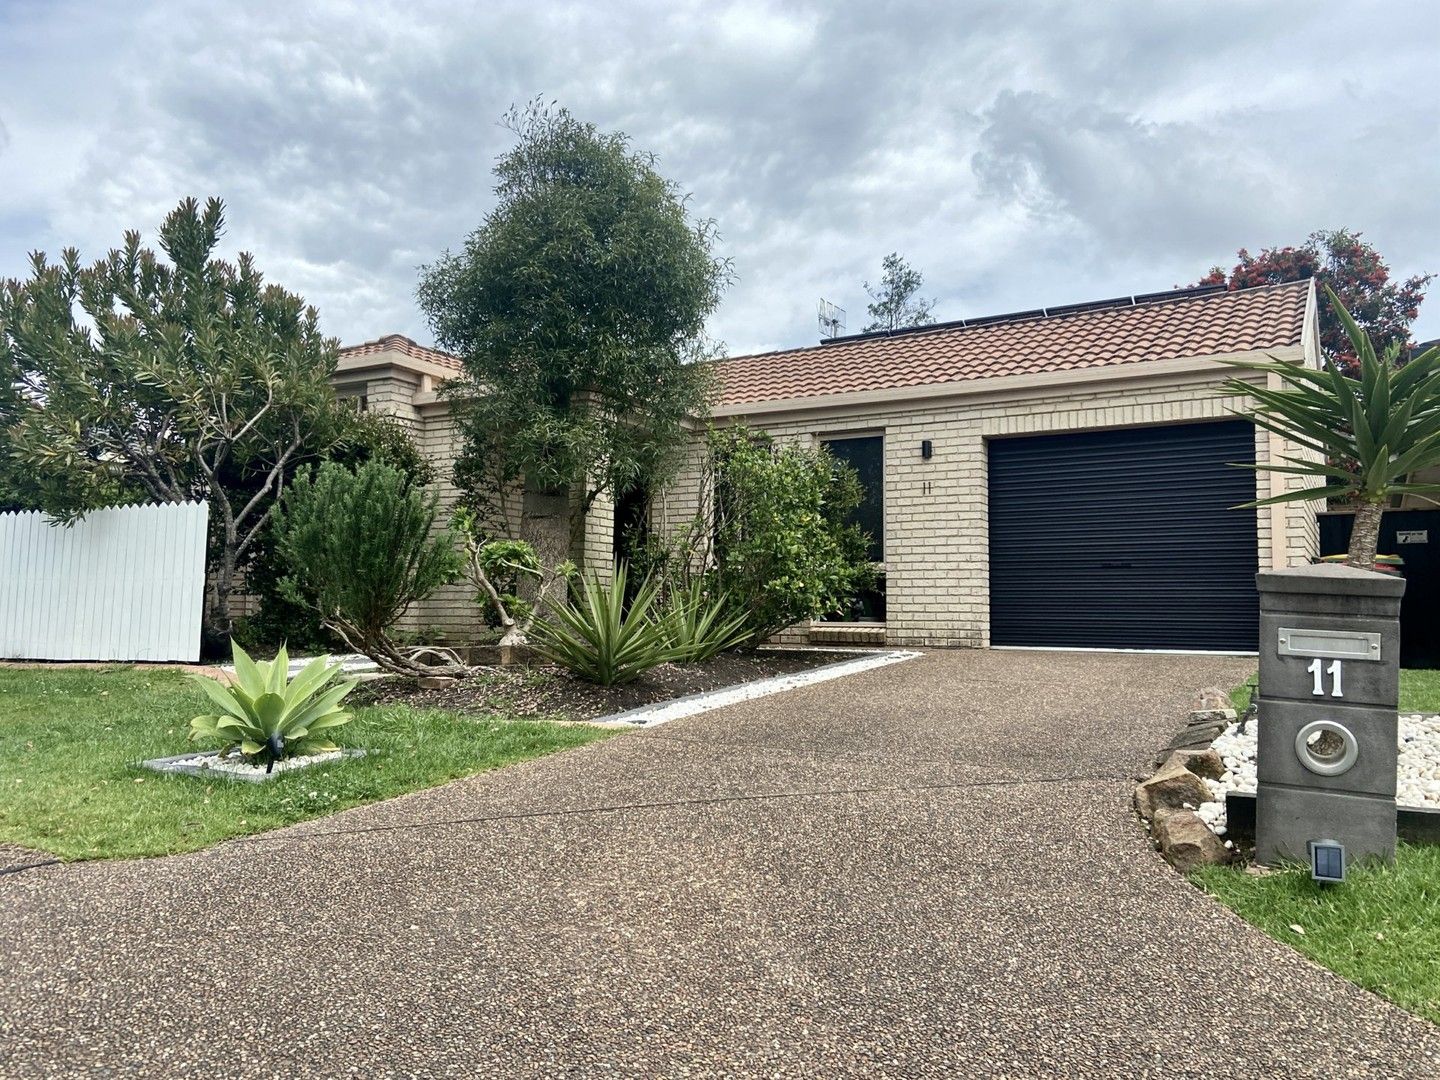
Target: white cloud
(1019, 156)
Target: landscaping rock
(1209, 717)
(1213, 697)
(1172, 787)
(516, 655)
(1189, 738)
(1186, 841)
(1206, 763)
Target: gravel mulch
(548, 691)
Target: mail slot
(1329, 644)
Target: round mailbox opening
(1326, 748)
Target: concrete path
(929, 869)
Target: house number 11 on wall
(1317, 668)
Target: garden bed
(547, 691)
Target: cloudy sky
(1019, 153)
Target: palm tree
(1367, 435)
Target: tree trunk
(1365, 535)
(215, 633)
(545, 523)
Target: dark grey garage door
(1124, 539)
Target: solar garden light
(1327, 861)
(1326, 752)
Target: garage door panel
(1124, 539)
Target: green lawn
(1380, 929)
(1419, 692)
(70, 740)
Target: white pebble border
(665, 711)
(1418, 779)
(213, 762)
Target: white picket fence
(126, 583)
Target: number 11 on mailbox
(1319, 671)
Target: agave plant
(1365, 438)
(268, 718)
(698, 626)
(598, 639)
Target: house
(1060, 477)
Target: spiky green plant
(269, 718)
(598, 639)
(1368, 436)
(698, 625)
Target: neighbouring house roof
(403, 345)
(1161, 326)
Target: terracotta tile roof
(1160, 326)
(401, 344)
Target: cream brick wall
(452, 609)
(936, 535)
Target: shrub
(363, 436)
(358, 549)
(698, 625)
(598, 639)
(781, 540)
(268, 718)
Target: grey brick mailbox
(1329, 690)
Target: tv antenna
(831, 319)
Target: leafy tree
(895, 305)
(778, 528)
(578, 308)
(360, 548)
(1342, 262)
(18, 490)
(1365, 435)
(175, 381)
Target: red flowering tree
(1342, 261)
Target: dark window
(867, 457)
(868, 606)
(632, 523)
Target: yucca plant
(1367, 435)
(598, 639)
(699, 626)
(269, 718)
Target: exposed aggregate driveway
(929, 869)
